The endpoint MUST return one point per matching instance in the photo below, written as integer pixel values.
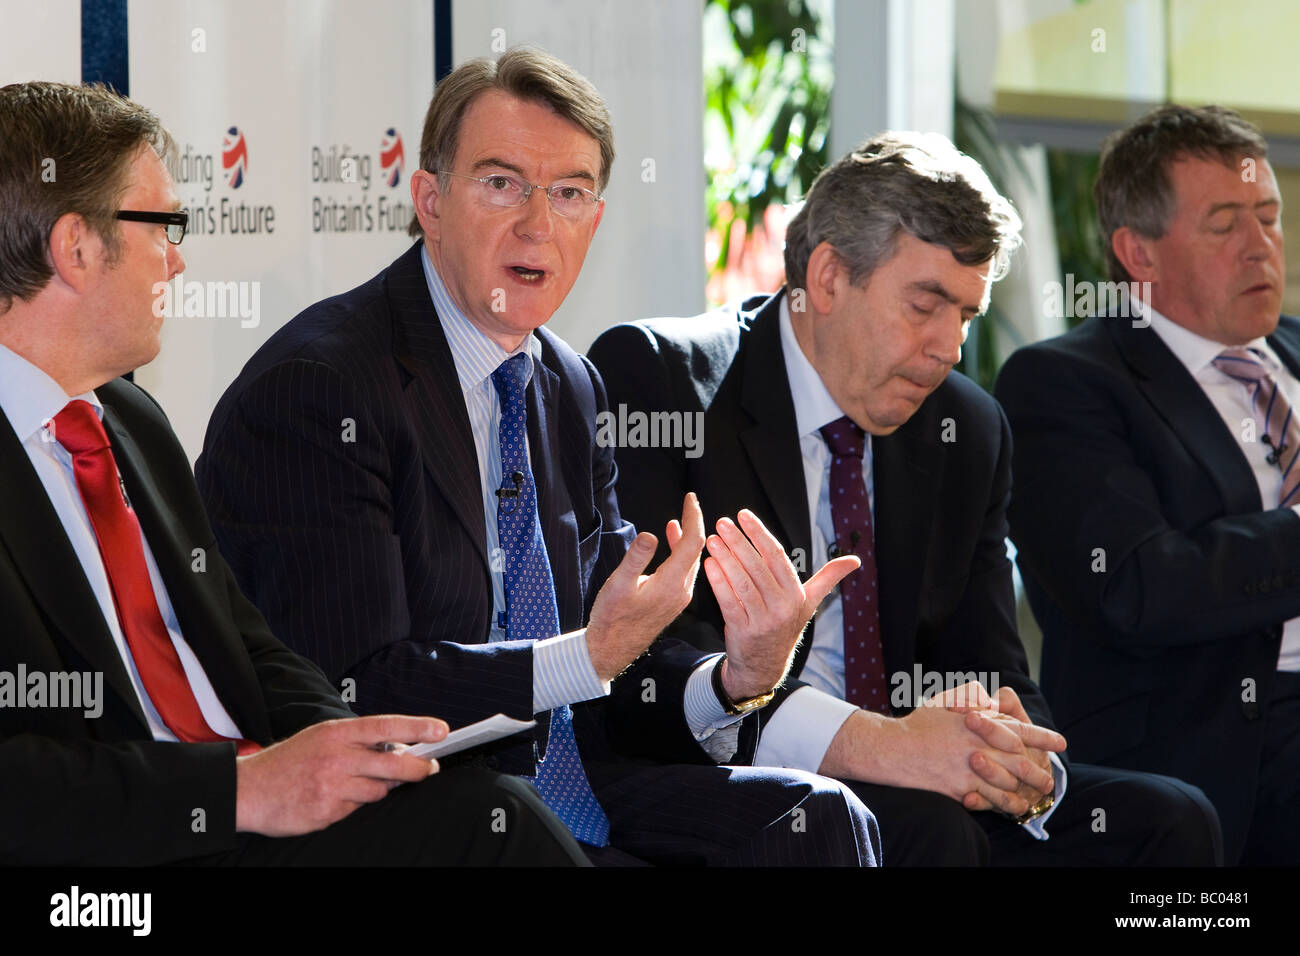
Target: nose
(537, 222)
(945, 347)
(175, 261)
(1262, 241)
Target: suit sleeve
(644, 714)
(298, 479)
(1090, 527)
(651, 483)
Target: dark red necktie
(78, 429)
(864, 658)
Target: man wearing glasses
(407, 479)
(170, 724)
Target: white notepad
(473, 735)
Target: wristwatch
(1037, 810)
(737, 708)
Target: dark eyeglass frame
(172, 220)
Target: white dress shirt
(562, 668)
(1231, 398)
(800, 732)
(30, 399)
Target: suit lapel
(553, 504)
(905, 469)
(30, 529)
(1176, 397)
(218, 649)
(772, 441)
(436, 403)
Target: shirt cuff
(800, 732)
(1037, 828)
(563, 672)
(716, 731)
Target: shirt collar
(475, 354)
(30, 398)
(813, 405)
(1195, 351)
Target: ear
(823, 274)
(425, 194)
(1134, 253)
(75, 251)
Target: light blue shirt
(562, 668)
(30, 399)
(800, 732)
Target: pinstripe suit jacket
(340, 475)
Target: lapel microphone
(518, 478)
(1276, 453)
(833, 550)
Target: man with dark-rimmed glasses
(207, 740)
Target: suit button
(1249, 588)
(1251, 709)
(1279, 583)
(492, 763)
(1265, 586)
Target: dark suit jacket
(946, 599)
(365, 549)
(1119, 449)
(101, 790)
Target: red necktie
(864, 658)
(78, 429)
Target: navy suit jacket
(340, 473)
(946, 598)
(101, 790)
(1160, 658)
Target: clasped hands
(764, 605)
(1013, 766)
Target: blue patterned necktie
(531, 612)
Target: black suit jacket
(81, 790)
(946, 598)
(1160, 661)
(341, 476)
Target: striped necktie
(1274, 413)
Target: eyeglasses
(176, 222)
(568, 200)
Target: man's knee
(496, 818)
(923, 828)
(1185, 825)
(829, 810)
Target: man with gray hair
(458, 548)
(1155, 507)
(830, 410)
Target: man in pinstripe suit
(354, 478)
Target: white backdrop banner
(297, 125)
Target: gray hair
(1133, 187)
(918, 182)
